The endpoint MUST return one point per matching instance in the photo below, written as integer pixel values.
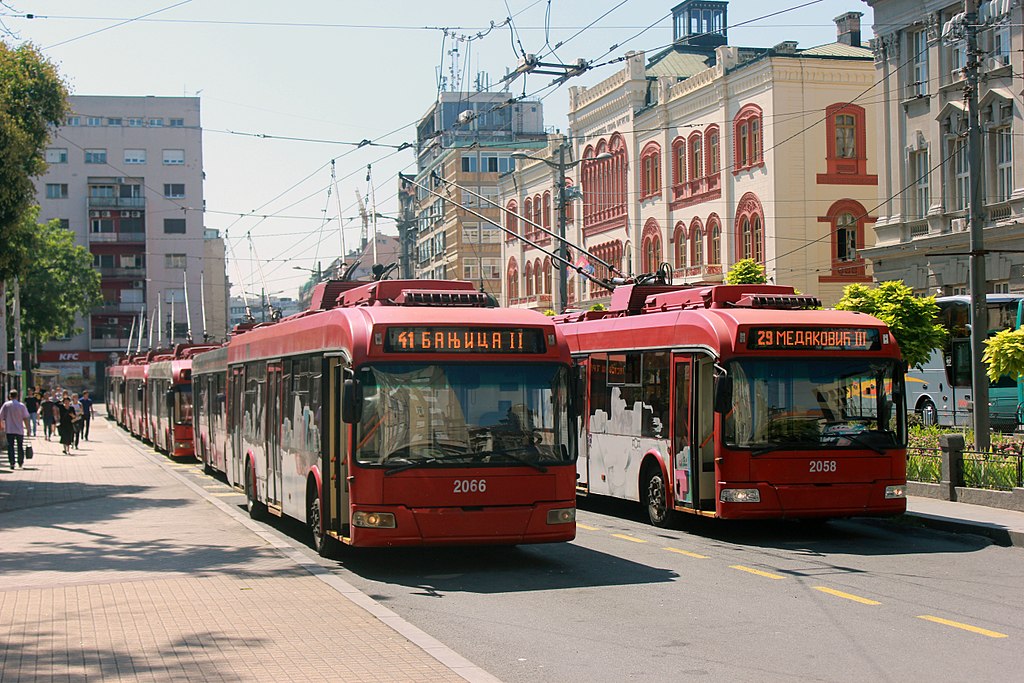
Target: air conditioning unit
(138, 284)
(112, 321)
(106, 214)
(959, 225)
(126, 214)
(119, 180)
(94, 214)
(136, 214)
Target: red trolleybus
(169, 400)
(401, 413)
(116, 392)
(209, 420)
(136, 373)
(738, 402)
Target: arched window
(547, 275)
(604, 186)
(713, 154)
(538, 211)
(846, 146)
(696, 156)
(679, 246)
(528, 215)
(512, 280)
(714, 240)
(750, 228)
(747, 128)
(529, 278)
(650, 170)
(547, 210)
(846, 220)
(511, 222)
(696, 243)
(678, 161)
(538, 277)
(650, 247)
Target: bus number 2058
(823, 466)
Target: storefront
(76, 371)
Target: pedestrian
(14, 420)
(32, 404)
(47, 408)
(66, 424)
(76, 405)
(86, 413)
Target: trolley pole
(976, 217)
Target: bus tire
(322, 543)
(924, 406)
(655, 497)
(251, 503)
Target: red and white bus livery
(169, 400)
(739, 401)
(398, 413)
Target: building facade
(706, 153)
(126, 176)
(922, 231)
(464, 142)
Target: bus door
(272, 433)
(334, 447)
(583, 407)
(684, 481)
(704, 429)
(235, 464)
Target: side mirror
(723, 394)
(351, 401)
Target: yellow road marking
(216, 486)
(686, 552)
(624, 537)
(225, 495)
(966, 627)
(587, 527)
(847, 596)
(767, 575)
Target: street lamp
(561, 166)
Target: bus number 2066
(470, 486)
(823, 466)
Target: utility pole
(563, 249)
(976, 216)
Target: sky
(286, 89)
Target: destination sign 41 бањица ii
(464, 340)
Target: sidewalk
(1004, 527)
(118, 564)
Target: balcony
(696, 191)
(113, 308)
(710, 272)
(129, 273)
(117, 202)
(118, 237)
(111, 344)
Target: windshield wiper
(858, 439)
(518, 458)
(409, 464)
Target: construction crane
(364, 236)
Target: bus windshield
(815, 403)
(183, 404)
(464, 415)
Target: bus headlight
(374, 520)
(562, 516)
(740, 496)
(895, 492)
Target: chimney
(848, 28)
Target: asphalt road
(845, 601)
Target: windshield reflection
(464, 414)
(784, 403)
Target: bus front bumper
(875, 499)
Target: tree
(60, 282)
(33, 100)
(911, 319)
(746, 272)
(1004, 354)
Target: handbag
(28, 452)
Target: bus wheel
(321, 542)
(926, 411)
(655, 498)
(254, 506)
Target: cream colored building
(706, 153)
(922, 233)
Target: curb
(999, 535)
(455, 662)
